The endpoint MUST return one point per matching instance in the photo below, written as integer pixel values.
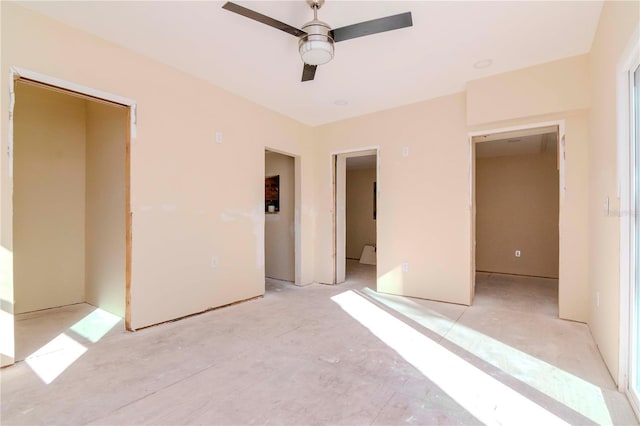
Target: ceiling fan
(316, 38)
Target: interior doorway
(516, 209)
(71, 221)
(355, 194)
(281, 218)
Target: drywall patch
(227, 217)
(257, 217)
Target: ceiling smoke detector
(483, 64)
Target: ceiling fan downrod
(315, 5)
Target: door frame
(337, 163)
(73, 89)
(561, 160)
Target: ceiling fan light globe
(316, 52)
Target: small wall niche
(272, 194)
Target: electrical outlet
(214, 262)
(518, 253)
(405, 151)
(405, 266)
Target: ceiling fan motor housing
(316, 47)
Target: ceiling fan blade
(374, 26)
(308, 72)
(248, 13)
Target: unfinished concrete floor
(337, 355)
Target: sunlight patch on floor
(7, 340)
(94, 326)
(52, 359)
(55, 357)
(487, 399)
(572, 391)
(7, 348)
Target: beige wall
(517, 209)
(618, 22)
(191, 200)
(547, 88)
(49, 176)
(279, 228)
(361, 228)
(106, 128)
(429, 225)
(547, 99)
(423, 207)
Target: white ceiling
(435, 57)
